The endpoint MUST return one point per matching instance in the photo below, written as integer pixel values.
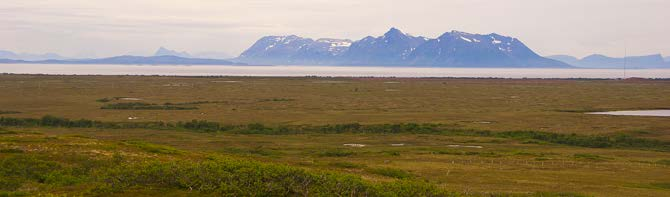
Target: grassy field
(455, 159)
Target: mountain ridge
(132, 60)
(162, 51)
(395, 48)
(29, 56)
(603, 61)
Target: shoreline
(333, 77)
(333, 71)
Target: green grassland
(147, 136)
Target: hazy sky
(113, 27)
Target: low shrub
(664, 162)
(590, 157)
(591, 141)
(347, 165)
(10, 150)
(9, 112)
(153, 148)
(390, 172)
(336, 153)
(144, 106)
(248, 178)
(103, 100)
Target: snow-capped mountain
(275, 50)
(323, 51)
(602, 61)
(295, 50)
(460, 49)
(395, 48)
(392, 48)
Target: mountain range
(132, 60)
(602, 61)
(395, 48)
(29, 56)
(162, 56)
(162, 51)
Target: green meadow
(307, 136)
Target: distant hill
(667, 59)
(212, 55)
(395, 48)
(162, 51)
(29, 56)
(11, 61)
(134, 60)
(602, 61)
(566, 59)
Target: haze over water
(327, 71)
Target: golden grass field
(491, 166)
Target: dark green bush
(10, 150)
(248, 178)
(336, 153)
(390, 172)
(153, 148)
(144, 106)
(590, 157)
(104, 100)
(9, 112)
(28, 167)
(344, 164)
(591, 141)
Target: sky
(102, 28)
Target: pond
(659, 113)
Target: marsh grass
(233, 121)
(77, 174)
(153, 148)
(337, 153)
(258, 150)
(103, 100)
(145, 106)
(590, 141)
(390, 172)
(11, 150)
(347, 165)
(590, 157)
(9, 112)
(466, 153)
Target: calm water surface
(335, 71)
(660, 113)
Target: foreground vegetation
(144, 136)
(103, 174)
(591, 141)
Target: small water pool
(658, 113)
